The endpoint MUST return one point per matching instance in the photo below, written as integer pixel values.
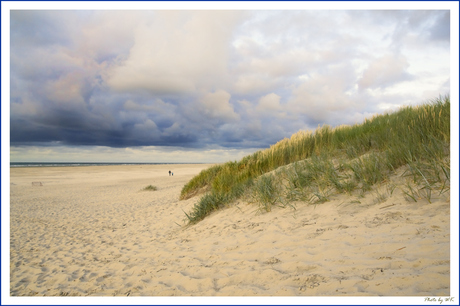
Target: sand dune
(91, 231)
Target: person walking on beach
(169, 172)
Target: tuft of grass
(330, 160)
(214, 200)
(266, 192)
(150, 188)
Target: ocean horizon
(85, 164)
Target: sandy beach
(92, 231)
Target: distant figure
(169, 172)
(172, 174)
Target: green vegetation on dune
(335, 160)
(150, 188)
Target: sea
(80, 164)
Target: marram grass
(150, 188)
(336, 160)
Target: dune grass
(150, 188)
(336, 160)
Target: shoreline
(85, 164)
(92, 231)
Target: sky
(211, 85)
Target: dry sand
(91, 231)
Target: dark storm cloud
(232, 79)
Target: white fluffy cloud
(176, 52)
(385, 71)
(216, 106)
(270, 103)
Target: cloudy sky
(210, 85)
